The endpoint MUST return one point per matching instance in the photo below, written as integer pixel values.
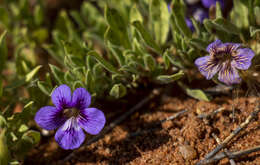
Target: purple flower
(209, 3)
(169, 7)
(199, 15)
(226, 59)
(71, 114)
(189, 24)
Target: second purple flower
(71, 115)
(225, 59)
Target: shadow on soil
(131, 147)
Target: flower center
(71, 112)
(222, 57)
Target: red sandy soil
(184, 140)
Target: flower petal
(70, 135)
(81, 98)
(230, 48)
(209, 3)
(49, 118)
(200, 14)
(229, 74)
(242, 59)
(207, 66)
(189, 24)
(92, 120)
(212, 47)
(61, 97)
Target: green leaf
(198, 43)
(103, 62)
(44, 87)
(174, 26)
(28, 105)
(69, 26)
(58, 74)
(3, 123)
(35, 135)
(166, 61)
(130, 67)
(115, 20)
(90, 62)
(159, 15)
(117, 53)
(146, 36)
(13, 136)
(250, 7)
(149, 62)
(14, 162)
(118, 91)
(4, 17)
(135, 15)
(90, 82)
(4, 152)
(196, 26)
(38, 15)
(173, 59)
(257, 14)
(177, 37)
(73, 48)
(98, 70)
(170, 78)
(218, 10)
(254, 31)
(239, 15)
(184, 45)
(77, 84)
(23, 128)
(69, 77)
(76, 16)
(118, 28)
(31, 74)
(90, 13)
(3, 51)
(178, 14)
(73, 61)
(52, 50)
(28, 140)
(40, 35)
(209, 26)
(111, 36)
(226, 26)
(117, 38)
(78, 73)
(197, 94)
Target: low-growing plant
(109, 48)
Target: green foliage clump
(108, 47)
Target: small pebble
(187, 152)
(107, 150)
(45, 132)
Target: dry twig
(232, 162)
(210, 115)
(231, 136)
(231, 155)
